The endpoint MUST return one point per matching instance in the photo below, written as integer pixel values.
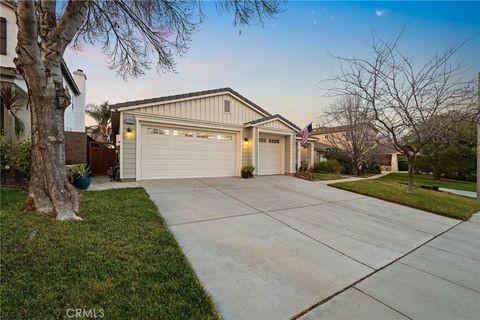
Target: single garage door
(270, 154)
(186, 153)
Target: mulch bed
(8, 178)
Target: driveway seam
(386, 305)
(352, 285)
(289, 226)
(213, 219)
(437, 276)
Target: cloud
(380, 12)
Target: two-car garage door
(186, 153)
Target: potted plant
(247, 171)
(81, 176)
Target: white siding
(129, 150)
(247, 147)
(205, 109)
(274, 124)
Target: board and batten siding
(247, 148)
(276, 124)
(210, 109)
(129, 149)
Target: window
(182, 133)
(262, 140)
(205, 135)
(3, 36)
(273, 141)
(226, 106)
(224, 137)
(165, 132)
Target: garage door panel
(270, 154)
(185, 153)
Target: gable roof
(140, 103)
(272, 118)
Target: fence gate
(101, 156)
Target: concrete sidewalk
(273, 247)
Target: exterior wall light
(129, 134)
(245, 141)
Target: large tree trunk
(50, 191)
(41, 43)
(411, 175)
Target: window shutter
(3, 36)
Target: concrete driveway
(279, 247)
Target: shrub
(371, 167)
(345, 162)
(20, 156)
(248, 168)
(402, 163)
(329, 166)
(5, 149)
(16, 156)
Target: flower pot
(82, 183)
(247, 174)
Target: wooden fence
(101, 156)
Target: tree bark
(40, 64)
(49, 190)
(411, 176)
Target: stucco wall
(9, 14)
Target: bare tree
(410, 103)
(357, 139)
(135, 34)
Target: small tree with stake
(358, 140)
(134, 33)
(410, 103)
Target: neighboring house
(93, 132)
(74, 114)
(202, 134)
(385, 154)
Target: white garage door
(270, 157)
(185, 153)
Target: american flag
(306, 133)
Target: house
(74, 122)
(330, 140)
(202, 134)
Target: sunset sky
(278, 66)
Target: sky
(279, 65)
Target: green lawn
(121, 260)
(427, 180)
(442, 203)
(329, 176)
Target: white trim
(270, 120)
(191, 98)
(185, 121)
(273, 131)
(138, 150)
(121, 145)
